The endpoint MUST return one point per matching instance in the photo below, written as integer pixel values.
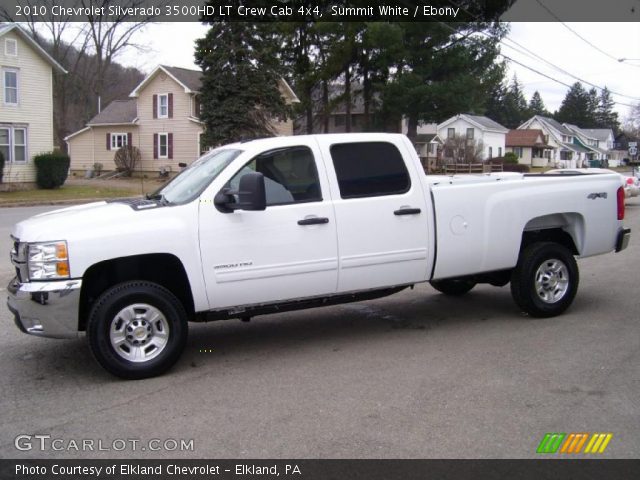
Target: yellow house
(161, 118)
(26, 106)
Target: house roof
(9, 27)
(191, 80)
(118, 112)
(579, 131)
(554, 124)
(525, 138)
(188, 78)
(482, 122)
(601, 134)
(575, 147)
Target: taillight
(620, 196)
(630, 181)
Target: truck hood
(67, 223)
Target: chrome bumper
(46, 309)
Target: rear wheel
(137, 329)
(545, 280)
(453, 286)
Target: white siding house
(477, 128)
(26, 106)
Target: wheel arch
(566, 229)
(162, 268)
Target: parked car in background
(632, 184)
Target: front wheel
(545, 280)
(137, 329)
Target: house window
(339, 120)
(490, 152)
(469, 133)
(163, 105)
(451, 132)
(118, 140)
(10, 82)
(499, 151)
(11, 47)
(163, 145)
(518, 151)
(13, 144)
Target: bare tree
(460, 149)
(110, 39)
(87, 50)
(632, 122)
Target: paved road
(413, 375)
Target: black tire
(161, 338)
(532, 281)
(453, 286)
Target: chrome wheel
(139, 332)
(552, 280)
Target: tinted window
(369, 169)
(290, 175)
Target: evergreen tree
(576, 107)
(240, 81)
(442, 71)
(593, 106)
(606, 116)
(514, 105)
(536, 105)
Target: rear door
(380, 213)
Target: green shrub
(52, 169)
(510, 157)
(1, 166)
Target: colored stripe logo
(574, 443)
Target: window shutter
(129, 138)
(155, 106)
(155, 146)
(170, 147)
(170, 107)
(108, 141)
(196, 107)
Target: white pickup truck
(289, 223)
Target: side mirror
(251, 195)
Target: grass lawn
(69, 192)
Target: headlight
(47, 260)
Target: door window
(369, 169)
(290, 175)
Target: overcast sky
(173, 44)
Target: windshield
(195, 178)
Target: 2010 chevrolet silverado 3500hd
(296, 222)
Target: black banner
(320, 10)
(542, 469)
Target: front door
(287, 251)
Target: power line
(560, 69)
(533, 69)
(580, 36)
(538, 56)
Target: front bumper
(46, 309)
(623, 239)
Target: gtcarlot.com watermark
(47, 443)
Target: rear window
(369, 169)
